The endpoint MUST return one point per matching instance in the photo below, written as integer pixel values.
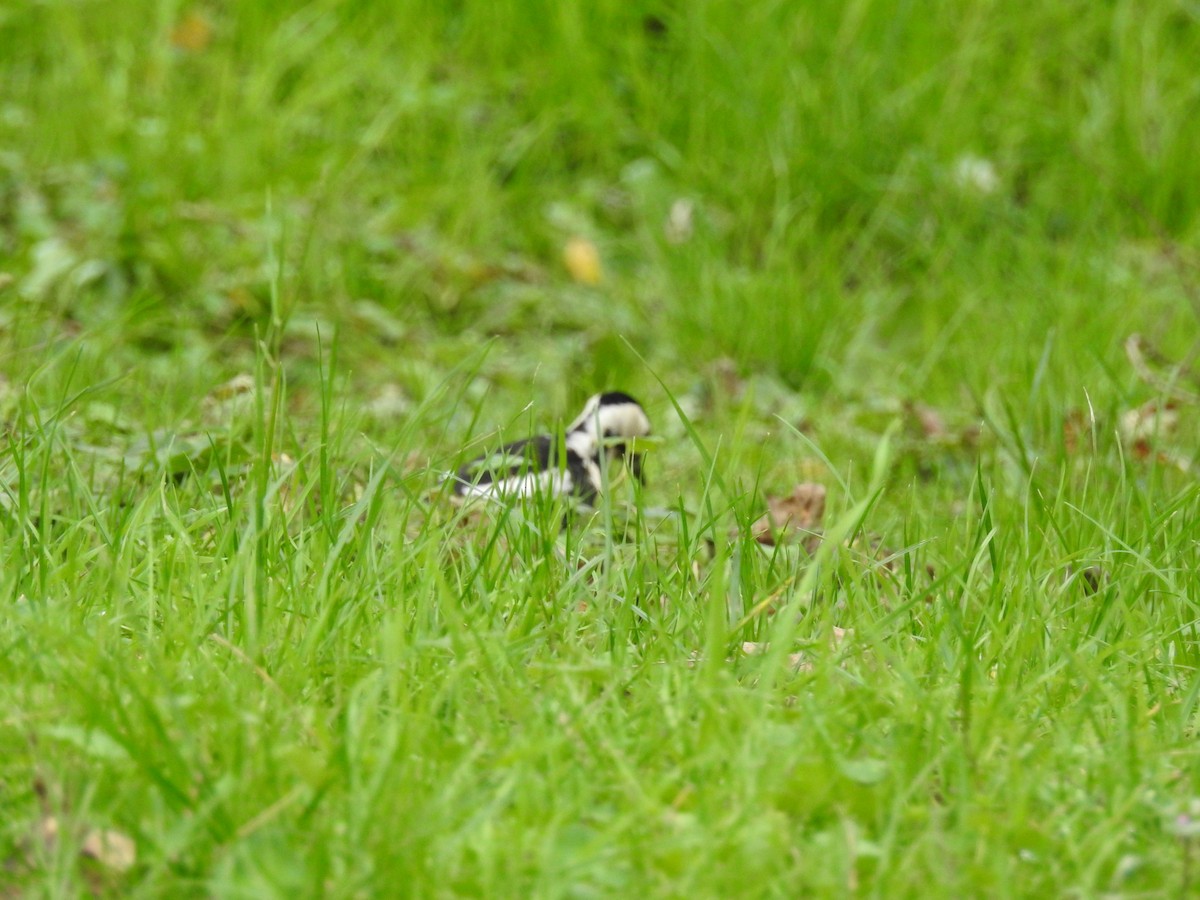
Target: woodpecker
(572, 467)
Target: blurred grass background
(864, 182)
(833, 213)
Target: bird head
(614, 421)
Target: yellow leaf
(193, 33)
(582, 260)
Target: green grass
(241, 627)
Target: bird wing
(526, 456)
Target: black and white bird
(573, 466)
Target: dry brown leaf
(192, 33)
(1077, 428)
(836, 637)
(110, 848)
(234, 394)
(1143, 427)
(1169, 380)
(1153, 419)
(728, 378)
(48, 830)
(798, 661)
(933, 428)
(582, 260)
(236, 386)
(788, 518)
(932, 424)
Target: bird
(573, 467)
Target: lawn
(268, 269)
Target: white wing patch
(526, 485)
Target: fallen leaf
(110, 848)
(797, 661)
(192, 33)
(789, 517)
(728, 379)
(582, 260)
(1169, 379)
(1153, 419)
(48, 831)
(234, 387)
(931, 421)
(1077, 427)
